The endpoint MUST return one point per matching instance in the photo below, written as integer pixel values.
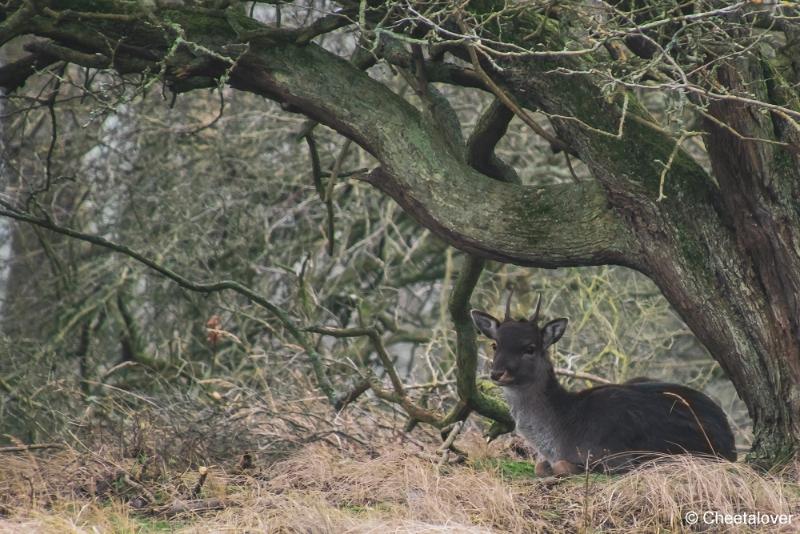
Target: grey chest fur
(537, 422)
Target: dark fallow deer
(610, 428)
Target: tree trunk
(726, 255)
(760, 186)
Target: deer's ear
(553, 331)
(485, 323)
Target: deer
(608, 428)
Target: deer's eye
(531, 349)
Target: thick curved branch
(557, 226)
(564, 225)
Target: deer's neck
(540, 411)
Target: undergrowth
(361, 473)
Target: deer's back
(649, 417)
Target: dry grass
(395, 486)
(660, 494)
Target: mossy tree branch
(548, 227)
(480, 155)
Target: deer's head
(520, 346)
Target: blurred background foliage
(218, 185)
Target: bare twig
(508, 100)
(398, 395)
(444, 449)
(668, 165)
(696, 419)
(582, 375)
(337, 168)
(32, 447)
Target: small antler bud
(535, 317)
(508, 304)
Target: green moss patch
(513, 469)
